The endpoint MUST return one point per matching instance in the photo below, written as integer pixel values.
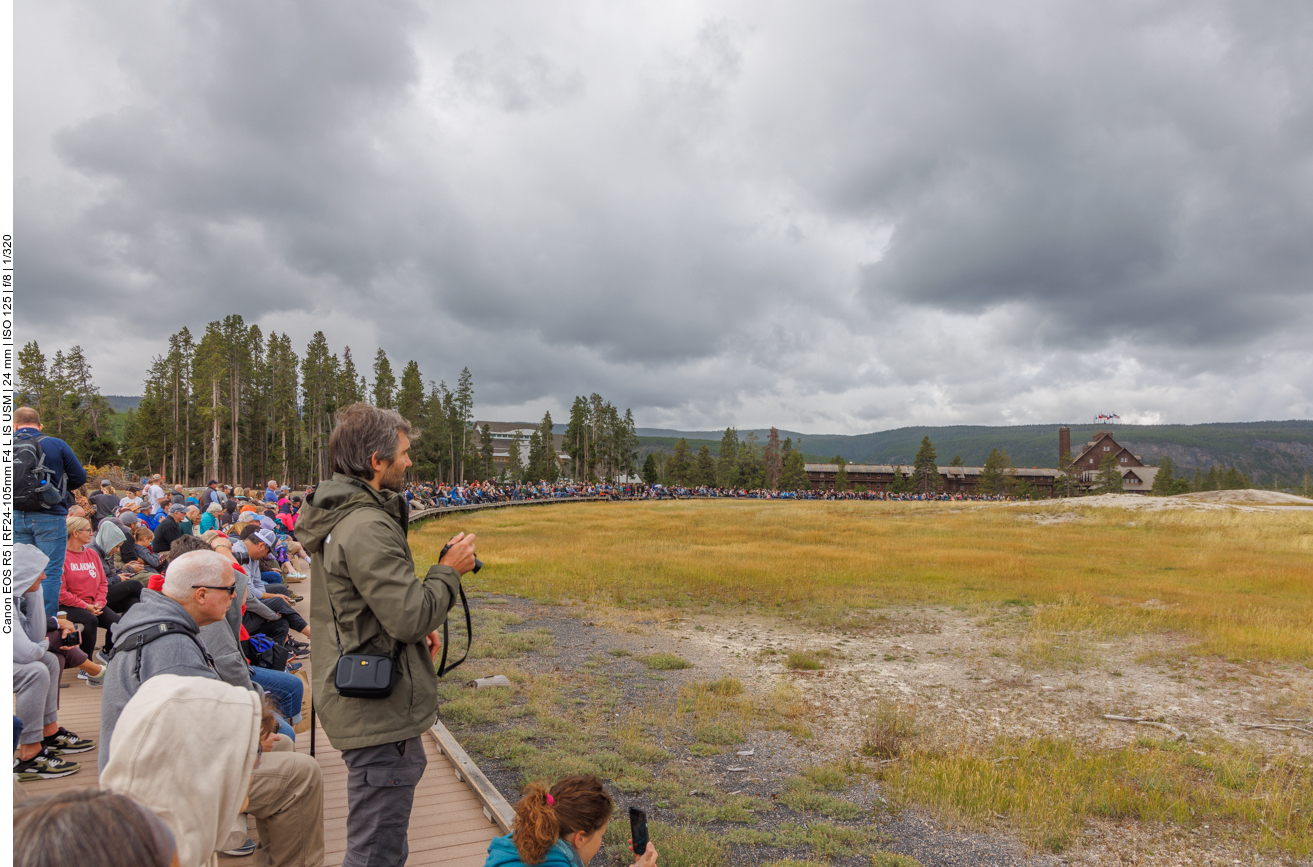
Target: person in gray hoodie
(160, 635)
(42, 741)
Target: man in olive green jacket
(367, 599)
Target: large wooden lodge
(1137, 478)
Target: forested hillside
(1260, 449)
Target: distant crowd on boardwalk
(421, 496)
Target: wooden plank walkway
(447, 825)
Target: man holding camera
(368, 603)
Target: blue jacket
(502, 853)
(60, 459)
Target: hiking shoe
(245, 849)
(64, 742)
(44, 766)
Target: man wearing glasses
(158, 635)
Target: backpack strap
(150, 633)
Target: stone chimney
(1064, 443)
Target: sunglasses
(231, 588)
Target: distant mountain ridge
(1261, 449)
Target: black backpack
(30, 471)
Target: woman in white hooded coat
(192, 746)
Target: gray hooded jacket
(169, 654)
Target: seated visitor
(42, 742)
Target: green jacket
(360, 559)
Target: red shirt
(85, 582)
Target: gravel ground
(580, 644)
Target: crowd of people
(178, 605)
(425, 496)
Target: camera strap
(443, 668)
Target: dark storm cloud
(850, 216)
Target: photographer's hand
(434, 641)
(460, 553)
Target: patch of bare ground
(971, 676)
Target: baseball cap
(106, 483)
(266, 536)
(178, 508)
(212, 482)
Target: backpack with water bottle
(34, 487)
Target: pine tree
(925, 471)
(774, 459)
(1067, 484)
(1164, 483)
(578, 438)
(463, 403)
(550, 467)
(680, 464)
(650, 469)
(794, 475)
(727, 460)
(515, 460)
(1109, 479)
(996, 475)
(486, 452)
(902, 482)
(31, 377)
(351, 387)
(533, 471)
(385, 384)
(956, 461)
(410, 397)
(706, 468)
(840, 474)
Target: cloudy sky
(832, 217)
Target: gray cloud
(838, 219)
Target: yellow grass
(1240, 583)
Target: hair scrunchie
(550, 799)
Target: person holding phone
(560, 827)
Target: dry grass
(1238, 582)
(1049, 788)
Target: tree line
(745, 463)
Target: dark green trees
(925, 469)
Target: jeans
(285, 688)
(50, 534)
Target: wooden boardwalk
(448, 825)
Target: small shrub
(618, 651)
(726, 686)
(684, 847)
(666, 662)
(799, 661)
(718, 734)
(893, 859)
(888, 730)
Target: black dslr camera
(478, 564)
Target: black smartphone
(638, 829)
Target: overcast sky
(831, 217)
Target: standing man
(368, 600)
(37, 521)
(106, 503)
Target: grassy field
(1240, 584)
